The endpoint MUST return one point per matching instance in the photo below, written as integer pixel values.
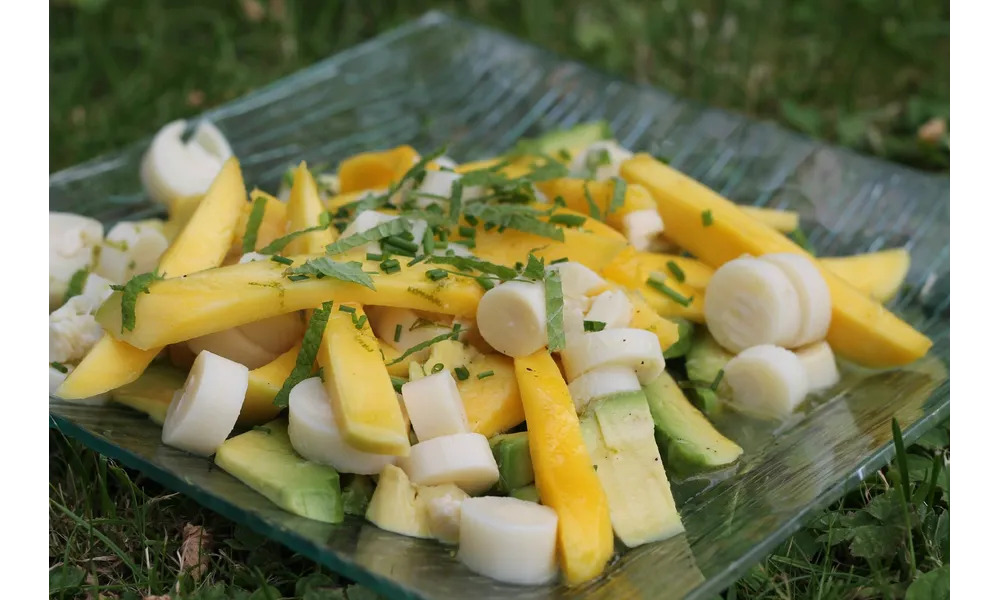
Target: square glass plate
(440, 80)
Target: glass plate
(440, 80)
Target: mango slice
(202, 244)
(876, 274)
(785, 221)
(304, 210)
(564, 473)
(376, 170)
(573, 191)
(632, 268)
(861, 331)
(185, 308)
(645, 317)
(361, 394)
(389, 354)
(265, 383)
(492, 404)
(272, 226)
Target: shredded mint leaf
(466, 263)
(426, 344)
(58, 366)
(554, 310)
(130, 294)
(307, 354)
(535, 268)
(568, 220)
(617, 196)
(253, 224)
(76, 283)
(375, 234)
(592, 208)
(279, 244)
(799, 237)
(344, 271)
(455, 202)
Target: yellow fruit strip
(645, 317)
(361, 394)
(272, 226)
(564, 473)
(375, 170)
(202, 244)
(633, 268)
(785, 221)
(876, 274)
(265, 382)
(304, 211)
(181, 309)
(574, 192)
(861, 330)
(492, 404)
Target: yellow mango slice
(265, 383)
(376, 170)
(361, 394)
(645, 317)
(564, 473)
(185, 308)
(179, 213)
(202, 244)
(594, 244)
(492, 404)
(633, 268)
(601, 192)
(272, 226)
(389, 353)
(861, 330)
(785, 221)
(876, 274)
(477, 165)
(304, 210)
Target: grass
(866, 74)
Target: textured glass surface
(439, 81)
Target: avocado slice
(687, 440)
(152, 392)
(575, 137)
(528, 493)
(513, 459)
(703, 363)
(357, 494)
(263, 459)
(685, 333)
(618, 432)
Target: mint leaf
(554, 310)
(344, 271)
(279, 244)
(130, 294)
(253, 224)
(617, 196)
(453, 334)
(595, 211)
(76, 283)
(375, 234)
(467, 263)
(307, 354)
(535, 268)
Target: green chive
(360, 322)
(397, 384)
(297, 277)
(428, 241)
(484, 375)
(485, 282)
(253, 224)
(461, 373)
(559, 260)
(471, 220)
(63, 369)
(373, 256)
(436, 274)
(281, 260)
(470, 244)
(467, 232)
(568, 220)
(399, 332)
(401, 242)
(669, 293)
(677, 272)
(347, 309)
(390, 265)
(437, 368)
(718, 379)
(706, 218)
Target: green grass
(863, 73)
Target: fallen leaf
(253, 10)
(78, 115)
(933, 585)
(163, 597)
(194, 550)
(195, 98)
(932, 131)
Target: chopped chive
(461, 373)
(568, 220)
(76, 284)
(64, 369)
(436, 274)
(397, 384)
(718, 379)
(592, 208)
(437, 368)
(484, 375)
(467, 232)
(559, 201)
(564, 154)
(488, 226)
(360, 322)
(455, 330)
(467, 243)
(401, 242)
(373, 256)
(669, 293)
(519, 266)
(594, 325)
(281, 260)
(676, 270)
(485, 282)
(559, 260)
(399, 332)
(471, 220)
(426, 344)
(297, 277)
(347, 309)
(390, 266)
(394, 249)
(253, 224)
(706, 218)
(428, 241)
(417, 259)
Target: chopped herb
(360, 322)
(375, 234)
(297, 277)
(422, 345)
(307, 353)
(669, 293)
(130, 294)
(344, 308)
(461, 373)
(417, 259)
(397, 384)
(279, 244)
(559, 260)
(554, 310)
(288, 177)
(262, 429)
(595, 211)
(428, 241)
(437, 368)
(76, 284)
(467, 243)
(399, 332)
(344, 271)
(485, 282)
(617, 196)
(456, 329)
(706, 218)
(484, 375)
(58, 366)
(373, 256)
(594, 326)
(389, 245)
(564, 154)
(799, 237)
(718, 379)
(568, 220)
(455, 202)
(468, 232)
(390, 266)
(518, 266)
(469, 263)
(515, 216)
(471, 220)
(436, 274)
(676, 271)
(535, 269)
(253, 224)
(281, 259)
(559, 202)
(597, 158)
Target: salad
(508, 355)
